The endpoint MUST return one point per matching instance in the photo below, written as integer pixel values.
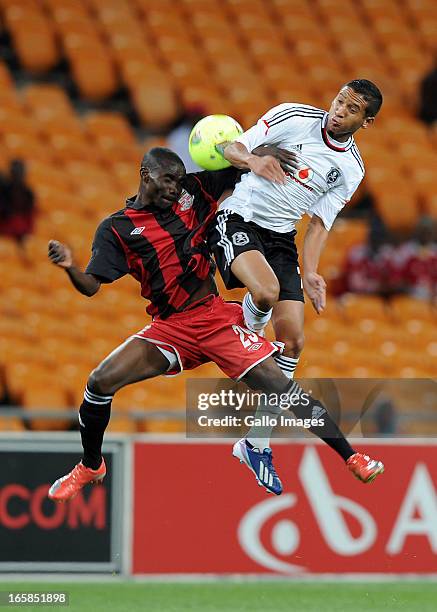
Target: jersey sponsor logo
(255, 347)
(333, 176)
(138, 230)
(185, 201)
(240, 238)
(304, 174)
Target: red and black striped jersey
(163, 249)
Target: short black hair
(159, 157)
(370, 92)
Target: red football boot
(68, 486)
(364, 468)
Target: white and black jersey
(328, 175)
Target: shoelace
(75, 472)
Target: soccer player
(159, 238)
(253, 237)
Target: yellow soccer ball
(207, 138)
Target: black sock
(94, 415)
(306, 407)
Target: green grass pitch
(236, 596)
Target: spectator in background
(382, 267)
(428, 97)
(369, 267)
(420, 267)
(17, 204)
(177, 139)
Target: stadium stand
(160, 54)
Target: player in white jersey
(253, 237)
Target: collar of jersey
(151, 210)
(340, 147)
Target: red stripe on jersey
(168, 260)
(134, 262)
(329, 143)
(268, 127)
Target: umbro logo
(138, 230)
(317, 412)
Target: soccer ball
(207, 136)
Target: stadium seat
(405, 308)
(32, 35)
(11, 424)
(357, 307)
(159, 110)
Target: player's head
(161, 173)
(355, 106)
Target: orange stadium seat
(159, 110)
(122, 425)
(94, 73)
(45, 397)
(33, 36)
(112, 137)
(11, 424)
(356, 307)
(406, 307)
(48, 101)
(397, 206)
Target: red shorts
(212, 331)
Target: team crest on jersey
(185, 201)
(304, 174)
(240, 238)
(333, 176)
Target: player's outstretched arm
(61, 256)
(287, 159)
(313, 283)
(267, 166)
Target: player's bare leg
(131, 362)
(288, 324)
(253, 270)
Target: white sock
(255, 319)
(287, 364)
(259, 435)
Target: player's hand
(60, 254)
(287, 159)
(268, 167)
(315, 288)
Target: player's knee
(267, 377)
(294, 344)
(99, 382)
(266, 295)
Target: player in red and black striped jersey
(163, 244)
(159, 238)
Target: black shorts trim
(230, 235)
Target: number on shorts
(243, 332)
